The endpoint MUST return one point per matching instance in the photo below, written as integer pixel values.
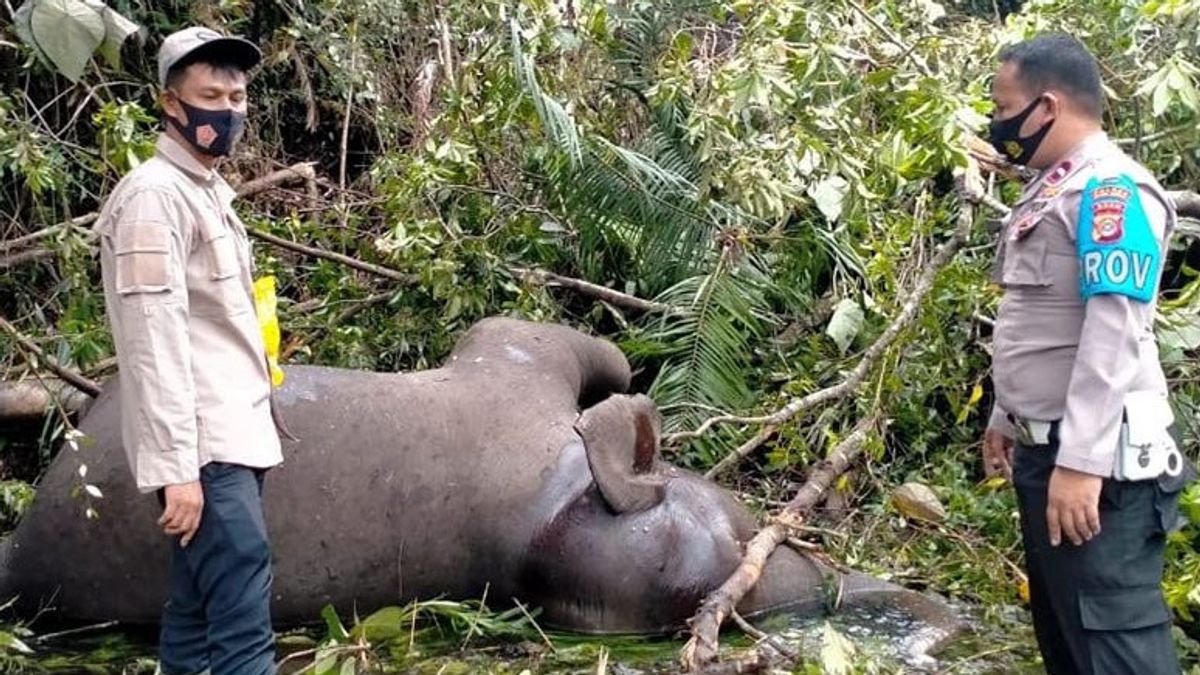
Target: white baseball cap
(180, 44)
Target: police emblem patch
(1109, 200)
(1060, 172)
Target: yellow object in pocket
(268, 323)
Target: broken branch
(75, 379)
(296, 173)
(30, 399)
(25, 240)
(592, 290)
(28, 255)
(855, 379)
(372, 268)
(302, 171)
(702, 648)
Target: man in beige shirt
(195, 385)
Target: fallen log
(26, 400)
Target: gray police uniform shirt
(1079, 259)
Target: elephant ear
(621, 436)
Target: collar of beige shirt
(174, 152)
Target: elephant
(520, 466)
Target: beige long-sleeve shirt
(176, 266)
(1058, 356)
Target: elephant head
(637, 544)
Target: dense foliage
(776, 173)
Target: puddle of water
(896, 639)
(999, 642)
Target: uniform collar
(176, 154)
(1052, 177)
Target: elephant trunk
(794, 583)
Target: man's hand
(1073, 506)
(182, 514)
(997, 454)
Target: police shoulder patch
(1118, 252)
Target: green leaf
(337, 631)
(845, 324)
(68, 31)
(326, 665)
(836, 652)
(830, 195)
(384, 625)
(117, 29)
(348, 667)
(22, 25)
(10, 643)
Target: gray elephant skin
(519, 467)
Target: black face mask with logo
(1005, 135)
(212, 132)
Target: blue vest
(1118, 252)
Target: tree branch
(301, 172)
(1187, 203)
(702, 648)
(30, 399)
(855, 379)
(75, 379)
(296, 173)
(81, 221)
(27, 256)
(372, 268)
(592, 290)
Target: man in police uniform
(1080, 259)
(195, 385)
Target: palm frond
(707, 345)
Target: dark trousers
(217, 615)
(1098, 608)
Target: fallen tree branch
(1157, 135)
(27, 256)
(301, 172)
(1187, 203)
(372, 268)
(702, 648)
(592, 290)
(75, 379)
(30, 399)
(855, 379)
(296, 173)
(25, 240)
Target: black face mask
(1005, 135)
(212, 132)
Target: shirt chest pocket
(1024, 260)
(219, 290)
(143, 258)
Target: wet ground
(879, 639)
